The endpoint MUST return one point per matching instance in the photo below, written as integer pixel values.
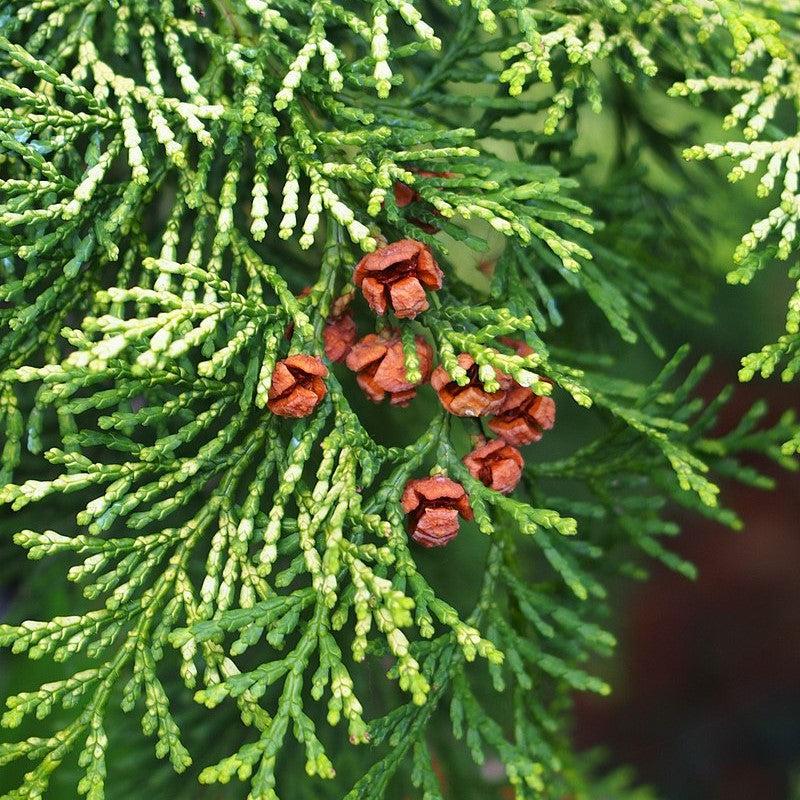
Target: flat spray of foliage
(172, 173)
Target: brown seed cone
(487, 267)
(471, 400)
(341, 304)
(523, 348)
(524, 416)
(396, 277)
(405, 195)
(380, 367)
(297, 386)
(496, 464)
(339, 333)
(339, 336)
(433, 505)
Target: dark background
(706, 679)
(706, 700)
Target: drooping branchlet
(250, 528)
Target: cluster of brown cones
(393, 277)
(396, 277)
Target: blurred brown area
(706, 701)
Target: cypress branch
(201, 204)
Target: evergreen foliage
(172, 175)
